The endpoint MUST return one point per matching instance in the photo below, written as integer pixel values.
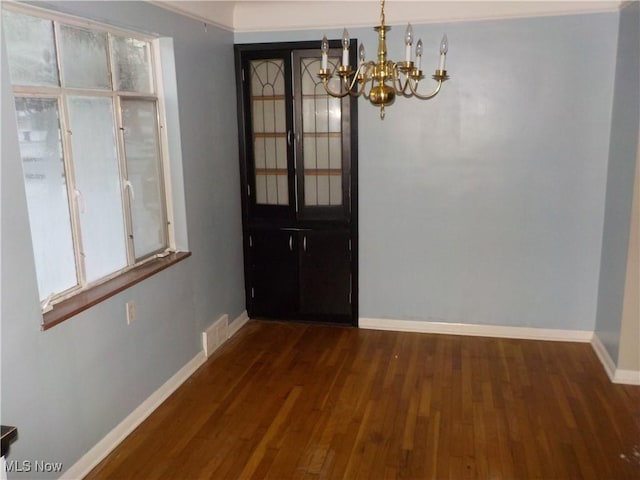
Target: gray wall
(621, 169)
(66, 388)
(485, 205)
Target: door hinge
(253, 293)
(248, 190)
(250, 241)
(243, 74)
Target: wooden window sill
(92, 296)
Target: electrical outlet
(131, 313)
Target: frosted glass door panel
(269, 132)
(30, 48)
(45, 186)
(98, 185)
(145, 174)
(321, 138)
(84, 58)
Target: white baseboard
(105, 446)
(101, 449)
(626, 377)
(616, 375)
(604, 357)
(238, 323)
(500, 331)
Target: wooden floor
(283, 400)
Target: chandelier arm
(395, 77)
(414, 90)
(366, 78)
(354, 81)
(325, 84)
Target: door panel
(325, 272)
(323, 140)
(273, 263)
(268, 129)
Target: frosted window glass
(268, 115)
(259, 153)
(309, 150)
(267, 77)
(131, 64)
(281, 153)
(84, 58)
(95, 159)
(335, 190)
(335, 152)
(311, 83)
(31, 50)
(145, 174)
(271, 153)
(283, 190)
(261, 189)
(322, 181)
(310, 190)
(269, 129)
(335, 114)
(321, 146)
(258, 116)
(47, 201)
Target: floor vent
(215, 335)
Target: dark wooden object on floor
(284, 400)
(8, 434)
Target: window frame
(64, 304)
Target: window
(88, 115)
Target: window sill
(94, 295)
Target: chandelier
(382, 80)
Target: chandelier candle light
(385, 78)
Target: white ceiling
(267, 15)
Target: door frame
(243, 114)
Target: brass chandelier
(385, 78)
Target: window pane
(30, 48)
(131, 64)
(98, 182)
(84, 58)
(322, 139)
(145, 174)
(269, 131)
(46, 189)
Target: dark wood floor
(284, 400)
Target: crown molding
(264, 16)
(216, 13)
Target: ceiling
(267, 15)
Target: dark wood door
(273, 271)
(325, 273)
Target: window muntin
(87, 222)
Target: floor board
(286, 400)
